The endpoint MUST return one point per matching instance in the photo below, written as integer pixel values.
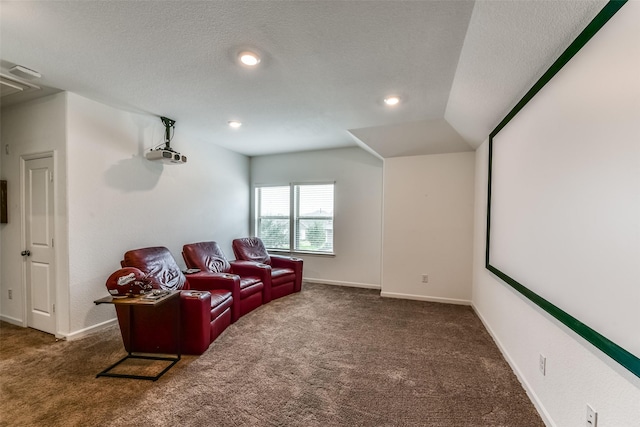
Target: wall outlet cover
(592, 417)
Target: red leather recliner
(286, 272)
(208, 257)
(204, 315)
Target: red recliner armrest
(196, 321)
(293, 263)
(208, 281)
(257, 269)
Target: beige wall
(428, 227)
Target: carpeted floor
(328, 356)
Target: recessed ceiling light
(392, 100)
(249, 58)
(235, 124)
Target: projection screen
(563, 218)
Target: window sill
(302, 253)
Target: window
(273, 216)
(298, 216)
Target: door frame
(23, 233)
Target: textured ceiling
(411, 138)
(509, 45)
(326, 65)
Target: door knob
(25, 253)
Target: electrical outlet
(592, 417)
(425, 278)
(542, 365)
(10, 293)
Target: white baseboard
(425, 298)
(341, 283)
(90, 330)
(72, 336)
(12, 320)
(527, 387)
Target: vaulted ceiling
(326, 66)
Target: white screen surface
(565, 188)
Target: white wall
(577, 373)
(31, 128)
(110, 199)
(358, 202)
(428, 227)
(118, 200)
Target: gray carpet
(328, 356)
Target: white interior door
(39, 252)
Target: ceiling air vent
(11, 85)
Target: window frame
(293, 218)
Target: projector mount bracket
(168, 125)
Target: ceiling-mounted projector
(166, 154)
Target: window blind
(296, 217)
(273, 219)
(313, 225)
